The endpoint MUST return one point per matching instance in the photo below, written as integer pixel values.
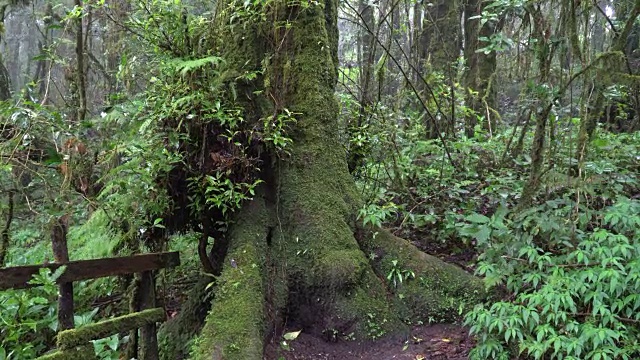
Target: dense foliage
(510, 161)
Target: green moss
(368, 304)
(317, 198)
(342, 268)
(316, 191)
(69, 339)
(82, 352)
(234, 328)
(176, 335)
(439, 291)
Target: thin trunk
(481, 69)
(366, 82)
(439, 48)
(439, 42)
(545, 53)
(6, 231)
(415, 44)
(80, 62)
(368, 56)
(393, 83)
(5, 80)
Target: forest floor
(434, 342)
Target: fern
(186, 66)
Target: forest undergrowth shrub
(569, 266)
(574, 284)
(410, 184)
(28, 318)
(38, 171)
(189, 128)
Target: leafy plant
(376, 215)
(107, 348)
(397, 275)
(574, 286)
(28, 317)
(275, 131)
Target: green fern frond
(186, 66)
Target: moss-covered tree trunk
(439, 41)
(296, 252)
(438, 48)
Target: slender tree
(480, 67)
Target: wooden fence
(75, 343)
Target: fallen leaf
(291, 335)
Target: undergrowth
(566, 267)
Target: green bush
(28, 318)
(573, 279)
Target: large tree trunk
(439, 42)
(296, 252)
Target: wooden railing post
(61, 256)
(148, 336)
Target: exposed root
(176, 334)
(435, 290)
(235, 326)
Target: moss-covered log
(69, 339)
(85, 352)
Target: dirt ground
(436, 342)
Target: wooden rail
(72, 344)
(18, 277)
(70, 339)
(75, 343)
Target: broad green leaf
(477, 218)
